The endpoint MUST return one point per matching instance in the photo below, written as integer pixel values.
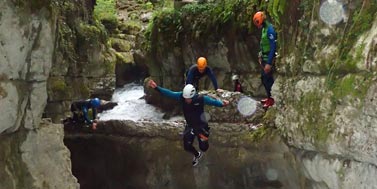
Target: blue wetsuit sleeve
(85, 112)
(212, 102)
(169, 93)
(190, 77)
(213, 78)
(272, 39)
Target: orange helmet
(202, 63)
(259, 18)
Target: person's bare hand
(267, 68)
(94, 125)
(152, 84)
(225, 102)
(219, 90)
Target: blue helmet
(95, 102)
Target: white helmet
(189, 91)
(235, 77)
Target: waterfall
(131, 105)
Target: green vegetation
(104, 9)
(207, 20)
(148, 6)
(198, 21)
(275, 8)
(105, 12)
(359, 24)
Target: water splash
(331, 12)
(131, 106)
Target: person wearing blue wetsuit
(80, 110)
(193, 111)
(266, 54)
(197, 71)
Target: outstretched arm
(165, 92)
(85, 112)
(213, 78)
(190, 76)
(214, 102)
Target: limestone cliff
(32, 153)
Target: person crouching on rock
(80, 110)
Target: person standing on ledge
(266, 54)
(193, 111)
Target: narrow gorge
(319, 134)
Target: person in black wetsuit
(193, 111)
(197, 71)
(80, 110)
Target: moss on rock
(130, 27)
(124, 57)
(58, 88)
(91, 34)
(120, 45)
(313, 124)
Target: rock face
(32, 153)
(27, 44)
(83, 65)
(36, 159)
(325, 87)
(151, 155)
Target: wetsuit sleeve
(190, 76)
(272, 39)
(212, 77)
(212, 102)
(85, 112)
(169, 93)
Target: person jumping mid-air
(193, 111)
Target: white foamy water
(131, 106)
